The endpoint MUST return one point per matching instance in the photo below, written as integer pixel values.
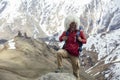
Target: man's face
(73, 26)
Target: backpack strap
(67, 33)
(78, 33)
(80, 43)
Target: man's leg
(61, 54)
(76, 66)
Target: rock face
(58, 76)
(65, 76)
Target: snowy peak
(44, 15)
(101, 16)
(48, 16)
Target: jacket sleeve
(63, 34)
(83, 37)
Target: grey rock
(57, 76)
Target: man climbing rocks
(71, 46)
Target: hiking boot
(59, 70)
(78, 79)
(77, 76)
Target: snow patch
(96, 74)
(11, 44)
(1, 46)
(114, 72)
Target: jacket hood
(69, 19)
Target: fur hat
(69, 19)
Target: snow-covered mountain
(107, 46)
(46, 17)
(101, 16)
(101, 20)
(43, 18)
(39, 18)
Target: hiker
(25, 35)
(71, 46)
(19, 34)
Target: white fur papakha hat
(69, 19)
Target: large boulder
(57, 76)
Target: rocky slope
(28, 59)
(64, 76)
(58, 76)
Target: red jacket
(71, 44)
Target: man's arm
(82, 37)
(63, 37)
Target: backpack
(80, 43)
